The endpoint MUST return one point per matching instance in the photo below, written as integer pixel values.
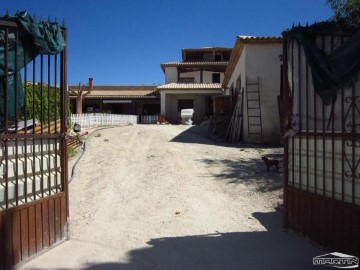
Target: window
(186, 80)
(216, 77)
(218, 57)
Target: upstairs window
(187, 80)
(218, 57)
(216, 77)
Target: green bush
(43, 103)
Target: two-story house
(192, 82)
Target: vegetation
(71, 152)
(46, 100)
(346, 11)
(260, 150)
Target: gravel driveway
(166, 197)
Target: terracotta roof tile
(180, 64)
(190, 86)
(259, 39)
(240, 43)
(119, 92)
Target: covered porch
(198, 96)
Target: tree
(80, 93)
(346, 11)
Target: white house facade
(192, 83)
(254, 73)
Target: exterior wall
(322, 153)
(263, 61)
(43, 177)
(325, 153)
(240, 73)
(194, 74)
(171, 75)
(320, 171)
(207, 76)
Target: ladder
(255, 134)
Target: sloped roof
(194, 64)
(119, 92)
(210, 48)
(240, 43)
(190, 86)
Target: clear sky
(123, 42)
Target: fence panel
(95, 119)
(149, 119)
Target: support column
(162, 102)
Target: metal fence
(33, 157)
(322, 172)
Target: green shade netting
(334, 71)
(38, 38)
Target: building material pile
(221, 115)
(234, 132)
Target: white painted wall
(326, 168)
(195, 75)
(171, 75)
(335, 157)
(261, 60)
(303, 110)
(238, 71)
(207, 77)
(40, 156)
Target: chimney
(91, 84)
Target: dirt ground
(166, 197)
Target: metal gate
(322, 153)
(33, 156)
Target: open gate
(322, 118)
(33, 155)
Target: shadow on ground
(196, 134)
(249, 172)
(271, 249)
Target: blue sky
(123, 42)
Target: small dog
(269, 163)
